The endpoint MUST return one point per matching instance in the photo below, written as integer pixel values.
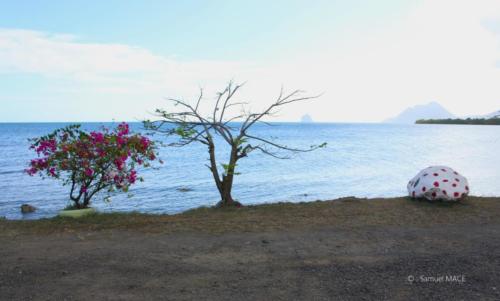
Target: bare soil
(348, 249)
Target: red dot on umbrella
(445, 180)
(443, 169)
(454, 185)
(436, 184)
(444, 192)
(466, 187)
(436, 174)
(433, 194)
(456, 194)
(457, 180)
(424, 189)
(425, 174)
(455, 172)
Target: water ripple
(365, 160)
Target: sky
(369, 60)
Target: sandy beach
(343, 249)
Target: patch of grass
(71, 207)
(346, 212)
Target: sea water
(362, 160)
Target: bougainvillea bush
(90, 162)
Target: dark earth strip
(346, 250)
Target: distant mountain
(432, 110)
(306, 118)
(492, 115)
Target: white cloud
(443, 50)
(103, 81)
(55, 54)
(60, 55)
(439, 51)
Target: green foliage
(229, 169)
(322, 145)
(71, 207)
(91, 162)
(240, 141)
(184, 131)
(469, 121)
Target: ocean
(362, 160)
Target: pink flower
(31, 171)
(132, 177)
(40, 163)
(89, 172)
(123, 129)
(52, 171)
(118, 181)
(120, 140)
(97, 137)
(88, 156)
(46, 146)
(144, 142)
(101, 153)
(119, 163)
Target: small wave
(8, 172)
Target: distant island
(478, 121)
(306, 118)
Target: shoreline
(291, 214)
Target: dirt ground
(350, 249)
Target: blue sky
(236, 30)
(103, 60)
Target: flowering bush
(92, 162)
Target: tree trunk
(213, 166)
(227, 187)
(86, 202)
(76, 201)
(226, 198)
(227, 181)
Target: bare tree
(190, 125)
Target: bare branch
(290, 98)
(229, 96)
(284, 147)
(190, 125)
(199, 100)
(249, 148)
